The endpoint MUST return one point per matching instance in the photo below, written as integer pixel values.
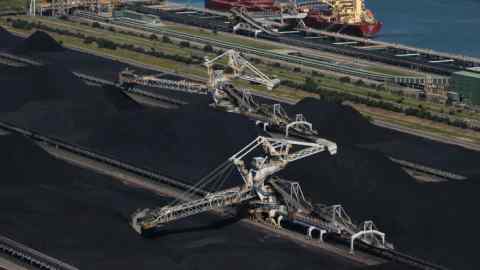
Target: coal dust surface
(8, 40)
(346, 126)
(39, 41)
(51, 100)
(416, 216)
(81, 218)
(435, 221)
(186, 143)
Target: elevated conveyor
(243, 15)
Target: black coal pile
(44, 49)
(51, 100)
(418, 218)
(39, 42)
(82, 218)
(8, 40)
(345, 126)
(415, 216)
(365, 182)
(439, 155)
(337, 122)
(187, 143)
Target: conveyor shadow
(170, 230)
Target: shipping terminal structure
(342, 16)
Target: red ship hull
(250, 5)
(362, 29)
(312, 20)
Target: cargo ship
(342, 16)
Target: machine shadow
(216, 225)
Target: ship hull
(226, 5)
(317, 21)
(361, 30)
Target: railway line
(30, 256)
(56, 143)
(395, 54)
(312, 63)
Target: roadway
(427, 135)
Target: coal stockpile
(187, 143)
(51, 100)
(81, 218)
(39, 42)
(418, 218)
(345, 126)
(42, 49)
(444, 156)
(7, 40)
(339, 123)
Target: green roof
(468, 74)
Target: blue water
(442, 25)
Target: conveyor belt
(30, 256)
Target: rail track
(383, 57)
(30, 256)
(313, 63)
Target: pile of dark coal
(422, 219)
(7, 40)
(82, 219)
(187, 143)
(416, 216)
(51, 100)
(339, 123)
(39, 42)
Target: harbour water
(441, 25)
